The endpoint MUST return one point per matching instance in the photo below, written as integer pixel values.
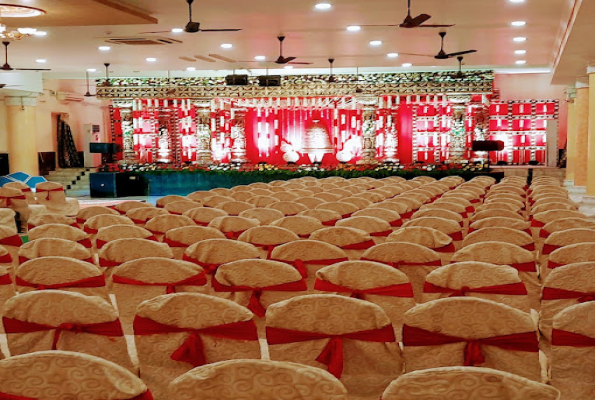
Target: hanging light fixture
(17, 11)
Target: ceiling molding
(129, 10)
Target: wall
(534, 86)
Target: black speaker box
(488, 145)
(4, 166)
(236, 80)
(269, 80)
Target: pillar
(370, 105)
(582, 135)
(203, 133)
(458, 133)
(591, 132)
(238, 135)
(571, 137)
(21, 127)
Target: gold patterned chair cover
(572, 353)
(262, 201)
(327, 197)
(16, 200)
(539, 220)
(519, 203)
(500, 234)
(261, 191)
(119, 251)
(203, 215)
(10, 242)
(114, 232)
(213, 200)
(6, 260)
(59, 320)
(68, 375)
(375, 282)
(505, 196)
(310, 202)
(180, 207)
(6, 287)
(449, 227)
(316, 189)
(143, 279)
(264, 215)
(60, 231)
(179, 239)
(302, 193)
(258, 185)
(267, 380)
(232, 227)
(181, 320)
(430, 238)
(377, 228)
(563, 224)
(235, 207)
(48, 218)
(468, 206)
(160, 224)
(288, 208)
(467, 383)
(342, 208)
(51, 195)
(491, 222)
(440, 213)
(199, 195)
(393, 218)
(242, 188)
(285, 196)
(221, 191)
(45, 247)
(553, 199)
(412, 259)
(95, 223)
(341, 192)
(412, 202)
(495, 212)
(367, 366)
(352, 240)
(502, 253)
(510, 188)
(468, 331)
(301, 225)
(25, 190)
(241, 196)
(61, 273)
(7, 219)
(126, 206)
(571, 254)
(401, 208)
(536, 209)
(463, 194)
(266, 238)
(500, 206)
(560, 239)
(212, 253)
(499, 283)
(163, 201)
(141, 215)
(85, 213)
(369, 195)
(562, 195)
(327, 217)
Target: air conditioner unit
(67, 96)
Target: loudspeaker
(269, 80)
(4, 166)
(236, 80)
(488, 145)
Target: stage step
(75, 180)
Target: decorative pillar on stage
(203, 133)
(238, 135)
(21, 127)
(458, 132)
(571, 137)
(582, 135)
(370, 105)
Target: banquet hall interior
(297, 200)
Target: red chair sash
(571, 339)
(23, 259)
(449, 248)
(381, 233)
(398, 290)
(525, 267)
(474, 201)
(86, 242)
(300, 265)
(254, 304)
(47, 191)
(5, 396)
(14, 240)
(233, 235)
(10, 198)
(5, 259)
(174, 243)
(513, 289)
(91, 282)
(549, 248)
(396, 223)
(111, 328)
(332, 354)
(196, 280)
(192, 351)
(140, 221)
(543, 233)
(359, 246)
(26, 190)
(470, 209)
(408, 214)
(267, 247)
(563, 294)
(90, 231)
(108, 263)
(332, 222)
(201, 223)
(397, 264)
(537, 224)
(100, 243)
(530, 247)
(456, 235)
(209, 268)
(5, 280)
(553, 265)
(526, 341)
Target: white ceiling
(313, 36)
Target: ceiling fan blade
(379, 25)
(287, 60)
(420, 19)
(416, 54)
(32, 69)
(143, 33)
(299, 63)
(460, 53)
(435, 26)
(220, 30)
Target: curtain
(68, 156)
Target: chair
(359, 202)
(214, 200)
(163, 201)
(199, 195)
(369, 195)
(241, 195)
(264, 215)
(85, 213)
(449, 205)
(285, 196)
(502, 253)
(119, 251)
(563, 224)
(500, 206)
(232, 227)
(160, 224)
(180, 207)
(377, 283)
(203, 216)
(53, 247)
(262, 201)
(94, 223)
(574, 253)
(560, 239)
(266, 238)
(288, 208)
(234, 207)
(221, 191)
(266, 380)
(308, 256)
(327, 217)
(212, 253)
(6, 287)
(499, 283)
(391, 217)
(114, 232)
(499, 234)
(68, 375)
(453, 229)
(536, 209)
(140, 216)
(504, 222)
(412, 204)
(467, 331)
(179, 239)
(352, 339)
(301, 225)
(539, 220)
(400, 208)
(427, 237)
(48, 219)
(327, 197)
(143, 279)
(439, 213)
(467, 383)
(59, 320)
(310, 202)
(11, 242)
(177, 332)
(573, 349)
(342, 208)
(126, 206)
(413, 260)
(8, 219)
(352, 240)
(61, 232)
(377, 228)
(15, 200)
(51, 195)
(496, 213)
(61, 273)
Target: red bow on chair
(91, 282)
(233, 235)
(209, 268)
(332, 354)
(300, 265)
(381, 233)
(359, 246)
(6, 258)
(10, 198)
(514, 289)
(192, 350)
(5, 280)
(47, 191)
(571, 339)
(111, 328)
(196, 280)
(526, 341)
(562, 294)
(399, 290)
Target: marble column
(571, 137)
(370, 105)
(21, 127)
(458, 134)
(582, 136)
(203, 133)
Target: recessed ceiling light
(518, 23)
(354, 28)
(521, 62)
(104, 48)
(226, 46)
(177, 30)
(392, 55)
(260, 58)
(91, 70)
(151, 59)
(516, 1)
(520, 52)
(375, 42)
(519, 39)
(323, 6)
(406, 65)
(190, 69)
(288, 67)
(41, 61)
(40, 33)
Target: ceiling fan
(460, 73)
(88, 94)
(442, 55)
(194, 27)
(286, 60)
(7, 67)
(331, 78)
(411, 22)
